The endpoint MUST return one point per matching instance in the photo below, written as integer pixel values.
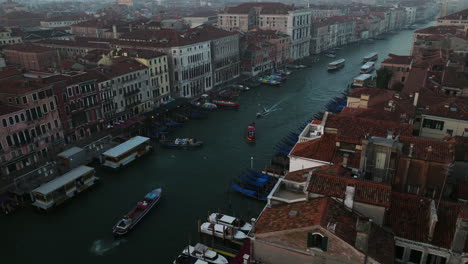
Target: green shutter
(310, 240)
(324, 243)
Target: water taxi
(222, 231)
(368, 67)
(126, 152)
(217, 218)
(251, 133)
(142, 208)
(362, 80)
(336, 65)
(225, 103)
(370, 57)
(63, 188)
(202, 252)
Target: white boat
(330, 55)
(336, 65)
(202, 252)
(217, 218)
(370, 57)
(184, 259)
(362, 80)
(221, 231)
(367, 67)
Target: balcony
(134, 104)
(131, 93)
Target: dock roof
(62, 180)
(124, 147)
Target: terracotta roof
(454, 78)
(298, 176)
(73, 43)
(397, 59)
(332, 180)
(322, 212)
(66, 18)
(428, 149)
(461, 15)
(415, 82)
(323, 148)
(461, 148)
(6, 109)
(448, 107)
(438, 30)
(121, 68)
(10, 86)
(408, 217)
(354, 129)
(28, 48)
(9, 72)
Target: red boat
(225, 103)
(251, 135)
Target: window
(25, 100)
(399, 253)
(415, 256)
(11, 120)
(450, 132)
(316, 240)
(17, 119)
(380, 158)
(4, 123)
(52, 107)
(433, 124)
(413, 188)
(434, 259)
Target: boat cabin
(368, 67)
(126, 152)
(363, 80)
(370, 57)
(63, 188)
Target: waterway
(194, 182)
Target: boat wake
(101, 247)
(268, 110)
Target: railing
(133, 92)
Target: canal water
(194, 182)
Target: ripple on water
(101, 247)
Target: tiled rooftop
(264, 7)
(6, 109)
(397, 59)
(24, 85)
(448, 107)
(121, 67)
(28, 48)
(428, 149)
(461, 15)
(9, 72)
(332, 180)
(438, 30)
(323, 148)
(140, 53)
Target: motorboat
(185, 259)
(202, 252)
(368, 67)
(217, 218)
(181, 143)
(330, 55)
(126, 223)
(251, 132)
(336, 65)
(225, 103)
(222, 231)
(370, 57)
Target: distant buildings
(456, 19)
(32, 57)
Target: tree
(383, 78)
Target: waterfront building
(8, 37)
(72, 49)
(124, 89)
(318, 11)
(190, 57)
(400, 67)
(31, 126)
(271, 16)
(456, 19)
(201, 18)
(79, 105)
(410, 15)
(157, 64)
(318, 230)
(32, 57)
(257, 57)
(62, 21)
(101, 28)
(280, 41)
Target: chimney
(461, 231)
(349, 197)
(411, 149)
(416, 98)
(114, 31)
(433, 219)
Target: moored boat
(142, 208)
(225, 103)
(367, 67)
(185, 259)
(202, 252)
(251, 132)
(217, 218)
(222, 231)
(181, 143)
(362, 80)
(370, 57)
(336, 65)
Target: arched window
(317, 240)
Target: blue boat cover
(150, 196)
